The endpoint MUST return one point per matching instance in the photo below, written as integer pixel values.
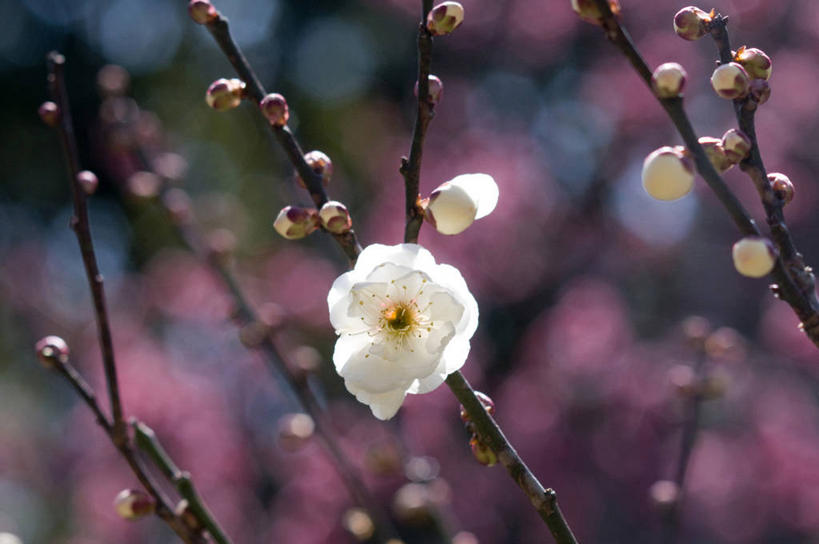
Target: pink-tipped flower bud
(52, 351)
(274, 107)
(444, 18)
(668, 173)
(134, 504)
(294, 222)
(716, 153)
(754, 256)
(436, 89)
(760, 91)
(487, 403)
(202, 11)
(668, 80)
(755, 61)
(731, 81)
(225, 94)
(321, 165)
(88, 181)
(482, 452)
(736, 144)
(691, 23)
(49, 113)
(781, 186)
(335, 217)
(589, 12)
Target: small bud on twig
(716, 153)
(736, 144)
(782, 186)
(754, 256)
(668, 173)
(482, 452)
(358, 523)
(225, 94)
(49, 113)
(274, 107)
(444, 18)
(202, 11)
(589, 12)
(755, 61)
(321, 165)
(436, 89)
(335, 217)
(294, 430)
(760, 91)
(691, 23)
(486, 401)
(668, 80)
(52, 351)
(133, 504)
(294, 222)
(731, 81)
(88, 181)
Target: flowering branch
(794, 281)
(411, 168)
(82, 229)
(217, 25)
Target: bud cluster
(482, 451)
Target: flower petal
(482, 190)
(412, 256)
(383, 405)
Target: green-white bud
(668, 173)
(668, 80)
(444, 18)
(731, 81)
(754, 256)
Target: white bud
(736, 144)
(754, 256)
(444, 18)
(133, 504)
(668, 173)
(335, 217)
(668, 80)
(225, 94)
(755, 61)
(731, 81)
(691, 23)
(294, 222)
(716, 153)
(455, 204)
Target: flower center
(399, 318)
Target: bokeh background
(586, 285)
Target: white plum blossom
(455, 204)
(404, 324)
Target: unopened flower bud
(321, 165)
(49, 113)
(455, 204)
(668, 173)
(444, 18)
(294, 430)
(134, 504)
(88, 181)
(274, 107)
(731, 81)
(589, 12)
(664, 494)
(482, 452)
(202, 11)
(668, 80)
(294, 222)
(52, 351)
(691, 23)
(754, 256)
(358, 523)
(782, 186)
(225, 94)
(760, 91)
(436, 89)
(488, 405)
(335, 217)
(736, 144)
(755, 62)
(716, 153)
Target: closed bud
(294, 222)
(274, 107)
(482, 452)
(49, 113)
(52, 351)
(134, 504)
(488, 405)
(736, 144)
(731, 81)
(755, 62)
(358, 523)
(664, 494)
(754, 256)
(691, 23)
(668, 80)
(457, 203)
(321, 164)
(781, 186)
(444, 18)
(202, 11)
(88, 181)
(225, 94)
(716, 153)
(436, 89)
(335, 217)
(589, 12)
(760, 91)
(668, 173)
(294, 430)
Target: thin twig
(411, 168)
(164, 509)
(794, 282)
(81, 226)
(220, 31)
(543, 500)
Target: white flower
(404, 324)
(455, 204)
